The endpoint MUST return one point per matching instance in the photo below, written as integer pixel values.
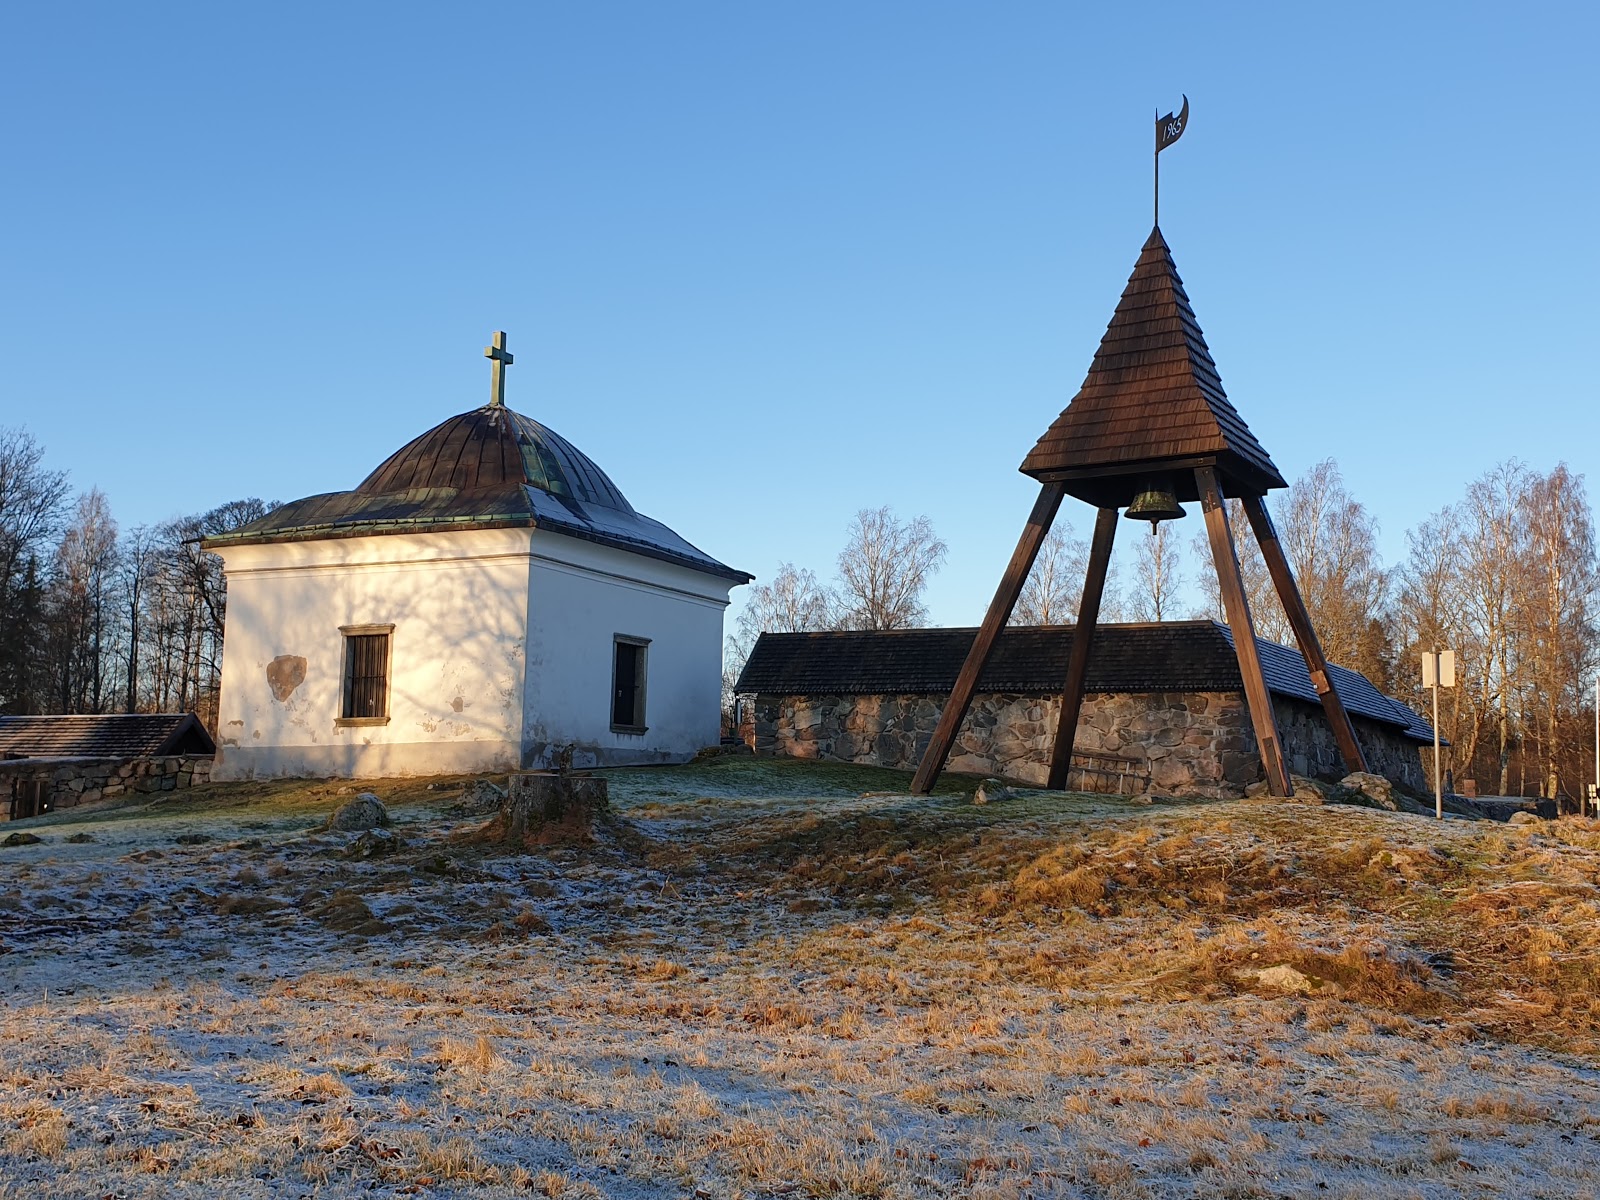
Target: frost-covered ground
(794, 980)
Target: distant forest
(97, 619)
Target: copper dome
(491, 447)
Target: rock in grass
(991, 790)
(22, 839)
(1284, 978)
(375, 843)
(480, 799)
(366, 811)
(1375, 787)
(1306, 791)
(79, 839)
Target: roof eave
(353, 529)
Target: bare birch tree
(1158, 574)
(81, 604)
(1557, 608)
(1494, 546)
(1331, 541)
(31, 502)
(1266, 613)
(1428, 613)
(884, 568)
(1054, 586)
(794, 602)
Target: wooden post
(1005, 599)
(1094, 586)
(1237, 608)
(1294, 607)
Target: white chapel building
(487, 600)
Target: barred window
(366, 673)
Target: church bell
(1154, 503)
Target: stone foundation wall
(1309, 746)
(1194, 742)
(1189, 743)
(76, 781)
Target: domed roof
(491, 447)
(490, 468)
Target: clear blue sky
(769, 264)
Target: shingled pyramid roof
(1152, 402)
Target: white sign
(1438, 668)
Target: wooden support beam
(1005, 599)
(1237, 608)
(1305, 633)
(1094, 586)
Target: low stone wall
(1191, 743)
(1309, 746)
(1194, 742)
(77, 781)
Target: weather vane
(1168, 130)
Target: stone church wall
(1191, 743)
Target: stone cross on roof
(499, 359)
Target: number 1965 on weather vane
(1168, 130)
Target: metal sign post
(1438, 670)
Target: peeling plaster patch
(458, 703)
(284, 674)
(428, 726)
(256, 734)
(240, 724)
(229, 741)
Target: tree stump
(548, 806)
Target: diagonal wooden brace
(1094, 586)
(1237, 609)
(1294, 607)
(1005, 599)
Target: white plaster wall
(458, 602)
(582, 595)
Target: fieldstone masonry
(76, 781)
(1191, 743)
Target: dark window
(366, 676)
(627, 683)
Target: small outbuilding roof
(106, 735)
(1169, 656)
(485, 469)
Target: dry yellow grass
(763, 982)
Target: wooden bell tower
(1151, 428)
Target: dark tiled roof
(1152, 394)
(1286, 674)
(486, 469)
(1173, 656)
(119, 735)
